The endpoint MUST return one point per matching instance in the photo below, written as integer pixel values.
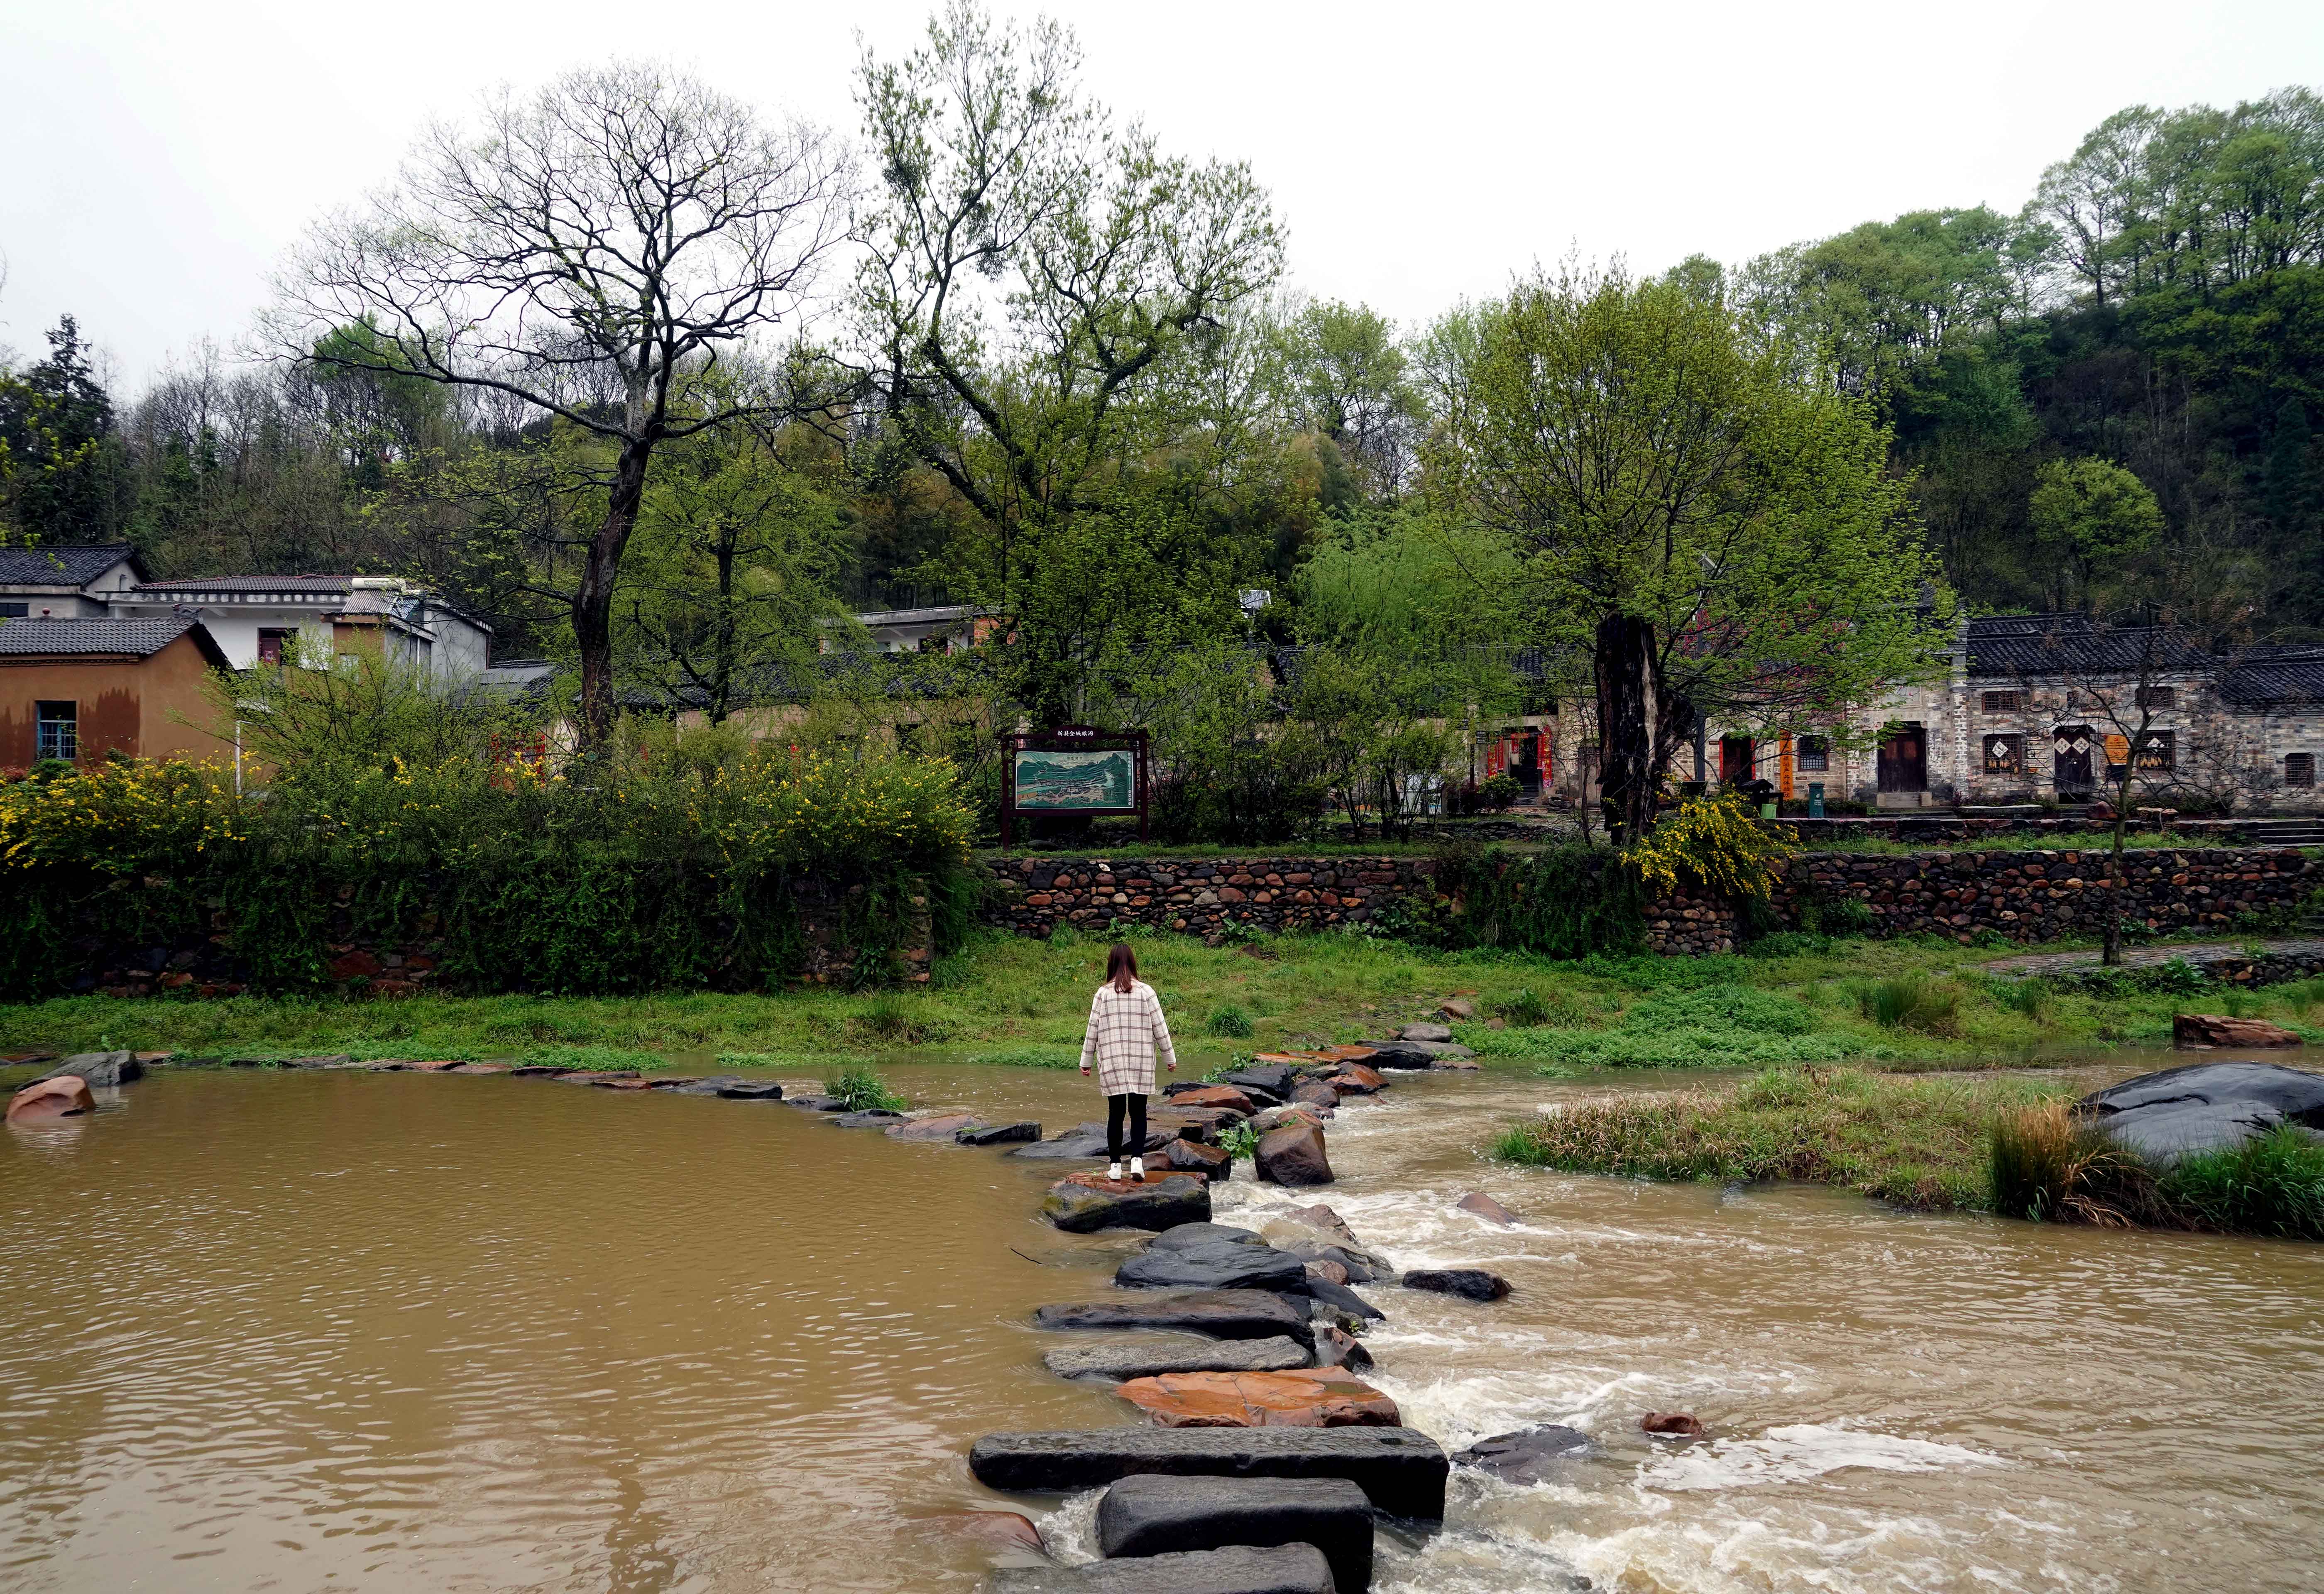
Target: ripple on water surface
(394, 1332)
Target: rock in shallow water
(1487, 1208)
(2217, 1029)
(1471, 1284)
(937, 1129)
(1224, 1314)
(1210, 1257)
(1083, 1203)
(1000, 1134)
(1342, 1297)
(1293, 1569)
(1402, 1471)
(1326, 1398)
(1149, 1514)
(1673, 1424)
(66, 1096)
(1143, 1359)
(99, 1068)
(1081, 1143)
(1530, 1454)
(1293, 1155)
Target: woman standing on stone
(1126, 1032)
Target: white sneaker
(1138, 1169)
(1113, 1172)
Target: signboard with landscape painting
(1074, 773)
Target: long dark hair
(1120, 967)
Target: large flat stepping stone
(1223, 1314)
(938, 1128)
(1117, 1364)
(1401, 1471)
(1000, 1134)
(1326, 1398)
(1081, 1143)
(1213, 1257)
(749, 1089)
(870, 1118)
(1083, 1203)
(98, 1068)
(1150, 1515)
(1292, 1569)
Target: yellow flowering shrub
(1712, 842)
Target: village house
(80, 688)
(66, 583)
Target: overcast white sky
(162, 154)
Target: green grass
(861, 1090)
(1026, 1001)
(1229, 1021)
(2048, 1165)
(1921, 1142)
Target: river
(402, 1333)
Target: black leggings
(1113, 1110)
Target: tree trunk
(592, 602)
(1630, 720)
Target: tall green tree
(1052, 302)
(2091, 519)
(56, 421)
(1716, 531)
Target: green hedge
(614, 876)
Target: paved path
(2198, 952)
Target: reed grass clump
(862, 1089)
(1229, 1020)
(1909, 1001)
(2049, 1163)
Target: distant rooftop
(2059, 644)
(321, 585)
(83, 638)
(65, 565)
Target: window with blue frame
(59, 729)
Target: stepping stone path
(943, 1128)
(1083, 1203)
(1144, 1358)
(1329, 1399)
(1148, 1514)
(1212, 1257)
(999, 1134)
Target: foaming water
(394, 1332)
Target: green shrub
(597, 1059)
(1229, 1020)
(1908, 1001)
(2028, 998)
(1525, 1009)
(1030, 1057)
(1239, 1141)
(1848, 916)
(1715, 842)
(862, 1089)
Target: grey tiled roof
(75, 564)
(324, 585)
(2265, 675)
(140, 638)
(2010, 645)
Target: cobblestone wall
(1199, 896)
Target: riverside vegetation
(2006, 1144)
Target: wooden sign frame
(1073, 738)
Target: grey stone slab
(99, 1068)
(1402, 1471)
(1223, 1314)
(1144, 1358)
(1150, 1514)
(1294, 1569)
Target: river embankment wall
(2025, 895)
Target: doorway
(2070, 747)
(1736, 759)
(1903, 761)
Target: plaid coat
(1126, 1032)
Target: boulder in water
(1271, 1078)
(1401, 1471)
(2205, 1031)
(1673, 1424)
(1325, 1398)
(1206, 1255)
(999, 1134)
(1471, 1284)
(1143, 1359)
(1225, 1096)
(1293, 1155)
(1487, 1208)
(1081, 1143)
(1353, 1079)
(99, 1068)
(1083, 1203)
(1191, 1156)
(1223, 1314)
(937, 1129)
(2204, 1107)
(1289, 1569)
(1149, 1514)
(747, 1090)
(65, 1096)
(869, 1118)
(1337, 1347)
(1530, 1455)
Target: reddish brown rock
(1458, 1008)
(1348, 1054)
(437, 1066)
(1293, 1155)
(1356, 1080)
(1315, 1093)
(1486, 1207)
(1002, 1531)
(1225, 1096)
(1326, 1398)
(1329, 1271)
(2216, 1029)
(61, 1097)
(1673, 1424)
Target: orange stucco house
(80, 687)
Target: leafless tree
(592, 252)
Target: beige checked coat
(1127, 1032)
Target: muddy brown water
(400, 1332)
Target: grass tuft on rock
(1920, 1142)
(862, 1089)
(2047, 1164)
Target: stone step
(1401, 1471)
(1144, 1358)
(1295, 1569)
(1223, 1314)
(1150, 1515)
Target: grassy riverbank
(1899, 1004)
(1977, 1143)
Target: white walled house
(71, 582)
(276, 619)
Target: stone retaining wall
(1199, 896)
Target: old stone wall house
(2029, 708)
